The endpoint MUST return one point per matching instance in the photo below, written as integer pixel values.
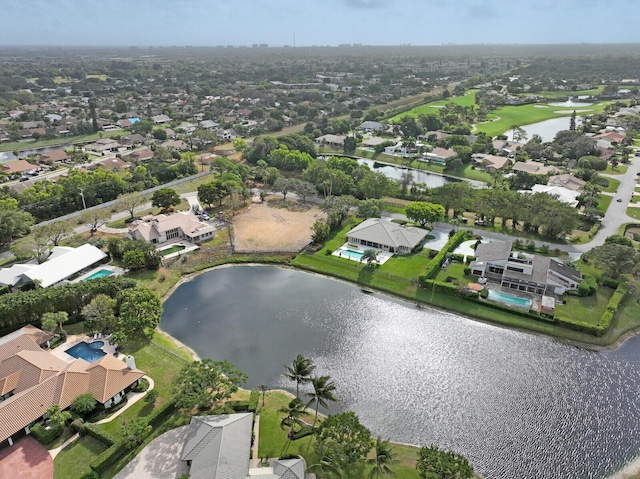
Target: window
(513, 268)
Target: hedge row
(160, 414)
(238, 406)
(442, 287)
(97, 433)
(432, 267)
(45, 436)
(254, 397)
(109, 457)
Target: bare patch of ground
(265, 228)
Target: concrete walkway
(132, 398)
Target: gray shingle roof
(218, 446)
(387, 233)
(494, 251)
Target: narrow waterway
(518, 405)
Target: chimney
(131, 362)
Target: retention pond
(517, 405)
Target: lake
(394, 172)
(547, 129)
(517, 405)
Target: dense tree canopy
(423, 212)
(203, 383)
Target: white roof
(560, 192)
(12, 276)
(65, 265)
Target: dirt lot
(265, 228)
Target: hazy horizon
(210, 23)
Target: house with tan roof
(54, 156)
(32, 380)
(16, 166)
(492, 162)
(567, 181)
(162, 228)
(533, 168)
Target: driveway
(26, 459)
(161, 458)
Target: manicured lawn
(74, 459)
(603, 203)
(456, 271)
(574, 94)
(634, 212)
(173, 249)
(55, 141)
(589, 308)
(160, 281)
(612, 187)
(507, 116)
(408, 266)
(467, 99)
(618, 170)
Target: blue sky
(316, 22)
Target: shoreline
(628, 471)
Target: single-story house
(533, 274)
(374, 141)
(561, 193)
(438, 155)
(162, 228)
(16, 166)
(140, 155)
(209, 124)
(160, 119)
(567, 181)
(533, 167)
(175, 145)
(387, 236)
(54, 156)
(372, 126)
(133, 139)
(331, 140)
(492, 162)
(32, 379)
(103, 145)
(113, 164)
(219, 447)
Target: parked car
(480, 223)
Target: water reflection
(518, 405)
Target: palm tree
(263, 390)
(384, 456)
(323, 388)
(292, 414)
(329, 460)
(300, 371)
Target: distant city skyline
(332, 22)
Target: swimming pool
(101, 273)
(90, 352)
(351, 254)
(509, 299)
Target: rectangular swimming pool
(90, 352)
(509, 299)
(101, 273)
(351, 254)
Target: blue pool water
(351, 254)
(509, 299)
(90, 352)
(101, 273)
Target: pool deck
(114, 269)
(60, 351)
(383, 256)
(187, 248)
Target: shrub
(97, 433)
(484, 293)
(90, 475)
(587, 286)
(289, 456)
(78, 426)
(467, 271)
(45, 436)
(151, 396)
(142, 386)
(609, 282)
(238, 406)
(469, 259)
(83, 404)
(457, 257)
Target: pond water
(8, 155)
(517, 405)
(422, 177)
(547, 129)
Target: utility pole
(84, 204)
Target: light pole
(84, 204)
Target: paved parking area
(26, 459)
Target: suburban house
(219, 447)
(54, 156)
(113, 164)
(374, 141)
(533, 274)
(374, 126)
(561, 193)
(533, 168)
(102, 146)
(162, 228)
(400, 149)
(438, 156)
(140, 155)
(16, 166)
(175, 145)
(492, 163)
(63, 263)
(160, 119)
(567, 181)
(331, 140)
(387, 236)
(32, 379)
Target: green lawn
(73, 461)
(603, 203)
(589, 308)
(408, 266)
(552, 95)
(618, 170)
(467, 99)
(613, 185)
(634, 212)
(456, 271)
(56, 141)
(505, 117)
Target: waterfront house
(162, 228)
(386, 236)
